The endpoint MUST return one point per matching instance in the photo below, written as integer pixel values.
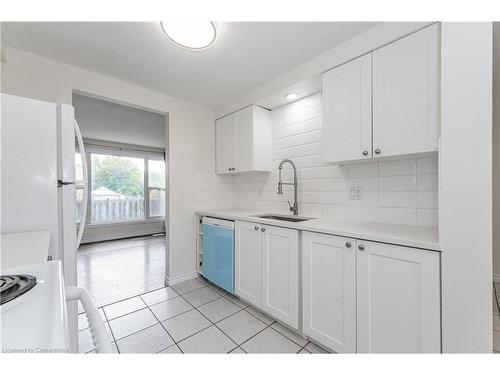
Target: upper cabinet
(347, 111)
(405, 95)
(243, 141)
(384, 103)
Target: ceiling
(246, 54)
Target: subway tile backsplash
(400, 191)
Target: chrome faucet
(295, 207)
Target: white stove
(34, 319)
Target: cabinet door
(329, 290)
(347, 111)
(244, 139)
(398, 299)
(225, 138)
(405, 95)
(280, 274)
(248, 262)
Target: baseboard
(179, 279)
(117, 236)
(496, 277)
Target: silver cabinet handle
(365, 153)
(377, 151)
(256, 227)
(348, 245)
(361, 247)
(263, 229)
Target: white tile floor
(192, 317)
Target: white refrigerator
(38, 187)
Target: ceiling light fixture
(190, 34)
(291, 95)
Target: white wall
(398, 191)
(496, 187)
(107, 121)
(496, 151)
(465, 200)
(190, 135)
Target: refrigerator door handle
(85, 185)
(61, 183)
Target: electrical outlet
(356, 193)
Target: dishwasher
(218, 252)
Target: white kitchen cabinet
(267, 269)
(398, 299)
(243, 141)
(248, 261)
(280, 274)
(329, 290)
(384, 103)
(347, 111)
(405, 95)
(225, 133)
(369, 297)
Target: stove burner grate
(12, 286)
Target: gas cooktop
(13, 286)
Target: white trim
(119, 235)
(496, 278)
(180, 278)
(122, 223)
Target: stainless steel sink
(293, 219)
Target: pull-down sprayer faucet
(295, 207)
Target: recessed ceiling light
(190, 34)
(291, 95)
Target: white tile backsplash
(402, 191)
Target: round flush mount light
(190, 34)
(291, 95)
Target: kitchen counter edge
(395, 234)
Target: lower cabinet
(248, 261)
(398, 297)
(267, 269)
(329, 291)
(367, 297)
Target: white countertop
(18, 249)
(405, 235)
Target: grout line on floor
(169, 335)
(496, 296)
(215, 324)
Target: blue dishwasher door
(218, 256)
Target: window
(156, 186)
(125, 185)
(117, 188)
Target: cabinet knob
(348, 245)
(229, 169)
(361, 247)
(263, 229)
(256, 227)
(365, 153)
(377, 151)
